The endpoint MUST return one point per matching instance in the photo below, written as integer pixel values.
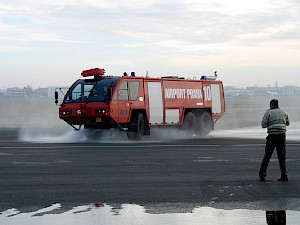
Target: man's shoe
(262, 179)
(283, 179)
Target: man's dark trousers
(274, 141)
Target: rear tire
(137, 128)
(189, 123)
(204, 124)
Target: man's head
(274, 104)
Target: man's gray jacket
(275, 120)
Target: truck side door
(121, 103)
(136, 94)
(129, 95)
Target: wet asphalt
(216, 172)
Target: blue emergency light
(204, 77)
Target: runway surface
(220, 172)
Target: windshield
(91, 90)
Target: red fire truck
(135, 104)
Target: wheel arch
(134, 114)
(197, 111)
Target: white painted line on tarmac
(129, 146)
(253, 145)
(102, 146)
(248, 145)
(213, 160)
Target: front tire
(93, 134)
(137, 128)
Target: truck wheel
(204, 124)
(189, 123)
(137, 128)
(92, 134)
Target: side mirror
(56, 97)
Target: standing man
(275, 120)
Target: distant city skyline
(48, 92)
(225, 86)
(238, 83)
(248, 42)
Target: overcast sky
(247, 42)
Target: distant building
(26, 92)
(288, 90)
(2, 93)
(233, 91)
(15, 92)
(262, 91)
(41, 93)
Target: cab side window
(134, 90)
(87, 90)
(122, 92)
(75, 94)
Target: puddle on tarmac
(103, 214)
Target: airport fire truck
(135, 104)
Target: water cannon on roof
(96, 72)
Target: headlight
(67, 112)
(101, 111)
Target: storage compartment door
(155, 102)
(216, 99)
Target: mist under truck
(136, 104)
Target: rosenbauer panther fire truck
(135, 104)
